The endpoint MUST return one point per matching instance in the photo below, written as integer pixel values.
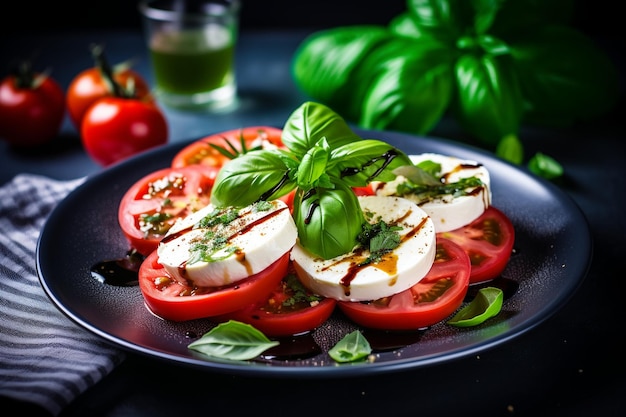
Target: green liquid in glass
(186, 64)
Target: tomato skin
(115, 128)
(194, 192)
(273, 320)
(167, 302)
(30, 115)
(488, 241)
(89, 86)
(412, 309)
(201, 153)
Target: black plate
(552, 254)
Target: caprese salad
(279, 228)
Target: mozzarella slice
(447, 211)
(258, 236)
(342, 278)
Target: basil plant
(489, 63)
(323, 159)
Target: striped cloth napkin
(45, 359)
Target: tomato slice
(169, 299)
(151, 205)
(202, 152)
(289, 310)
(488, 241)
(438, 295)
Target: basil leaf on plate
(233, 340)
(328, 220)
(311, 122)
(351, 348)
(486, 304)
(254, 176)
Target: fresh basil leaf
(564, 76)
(545, 166)
(404, 25)
(412, 89)
(490, 102)
(445, 20)
(485, 14)
(311, 122)
(324, 61)
(486, 304)
(510, 148)
(233, 340)
(351, 348)
(312, 166)
(417, 175)
(254, 176)
(358, 163)
(328, 220)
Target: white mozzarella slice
(342, 278)
(246, 245)
(447, 211)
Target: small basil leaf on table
(233, 340)
(545, 166)
(353, 347)
(486, 304)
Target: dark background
(596, 18)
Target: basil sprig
(489, 64)
(323, 160)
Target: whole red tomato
(114, 128)
(32, 106)
(92, 84)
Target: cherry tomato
(115, 128)
(171, 300)
(93, 83)
(488, 241)
(152, 204)
(32, 106)
(89, 86)
(289, 310)
(438, 295)
(202, 151)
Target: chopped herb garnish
(218, 217)
(379, 238)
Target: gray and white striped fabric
(45, 358)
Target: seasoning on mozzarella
(215, 247)
(448, 211)
(350, 277)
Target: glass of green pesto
(192, 50)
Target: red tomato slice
(488, 241)
(286, 311)
(438, 295)
(201, 152)
(169, 299)
(152, 205)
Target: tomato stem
(101, 62)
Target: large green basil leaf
(328, 220)
(256, 175)
(489, 103)
(564, 76)
(361, 162)
(311, 122)
(412, 89)
(323, 63)
(445, 20)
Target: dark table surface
(572, 364)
